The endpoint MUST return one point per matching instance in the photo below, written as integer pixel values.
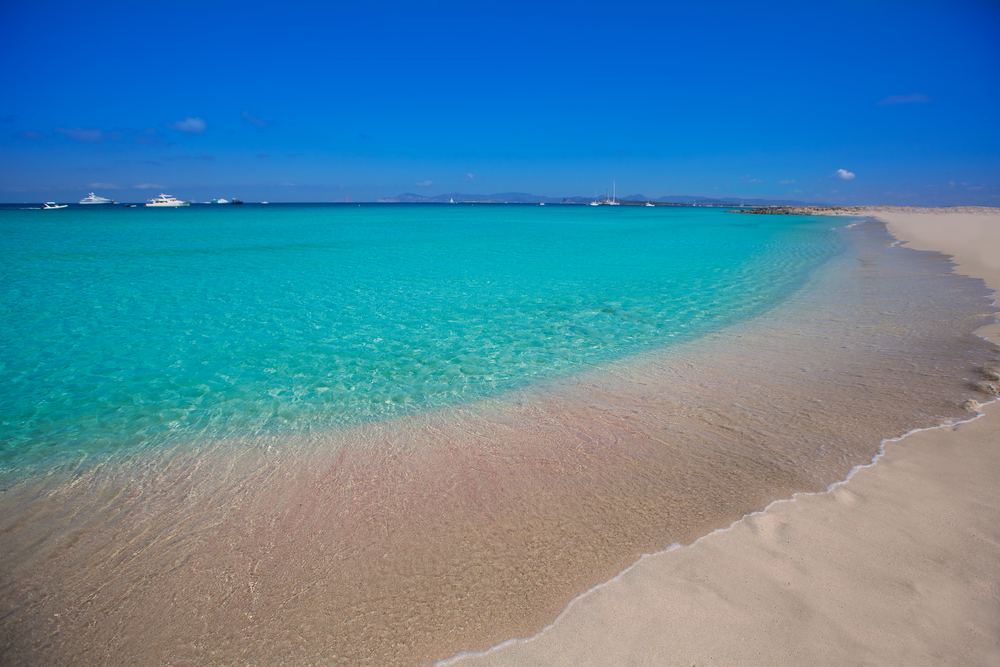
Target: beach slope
(900, 565)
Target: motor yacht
(51, 204)
(167, 201)
(94, 199)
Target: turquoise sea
(131, 327)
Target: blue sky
(850, 102)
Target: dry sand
(898, 566)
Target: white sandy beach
(898, 566)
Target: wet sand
(406, 542)
(900, 565)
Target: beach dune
(900, 565)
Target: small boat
(165, 201)
(236, 201)
(220, 201)
(263, 202)
(94, 199)
(649, 203)
(129, 205)
(51, 204)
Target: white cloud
(189, 125)
(468, 177)
(106, 186)
(424, 183)
(788, 182)
(843, 175)
(748, 179)
(915, 98)
(148, 186)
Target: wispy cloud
(748, 179)
(189, 125)
(88, 135)
(915, 98)
(151, 141)
(203, 158)
(262, 156)
(105, 186)
(148, 186)
(842, 175)
(294, 154)
(253, 120)
(424, 183)
(788, 182)
(468, 177)
(31, 134)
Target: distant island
(526, 198)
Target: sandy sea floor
(900, 565)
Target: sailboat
(614, 193)
(595, 202)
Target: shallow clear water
(130, 327)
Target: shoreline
(689, 604)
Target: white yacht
(51, 204)
(649, 203)
(94, 199)
(220, 201)
(167, 200)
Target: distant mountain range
(525, 198)
(459, 197)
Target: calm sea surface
(128, 328)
